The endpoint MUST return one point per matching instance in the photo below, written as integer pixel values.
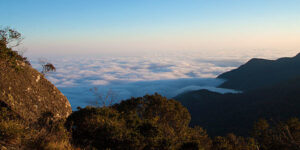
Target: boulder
(28, 93)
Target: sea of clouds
(86, 79)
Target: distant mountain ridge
(259, 73)
(271, 91)
(225, 113)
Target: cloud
(82, 96)
(99, 82)
(168, 75)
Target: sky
(126, 27)
(138, 47)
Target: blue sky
(124, 26)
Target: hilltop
(271, 91)
(259, 73)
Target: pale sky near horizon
(60, 27)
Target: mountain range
(271, 90)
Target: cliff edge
(26, 91)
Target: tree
(46, 66)
(233, 142)
(279, 136)
(169, 114)
(103, 100)
(149, 122)
(99, 128)
(10, 38)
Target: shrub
(149, 122)
(49, 133)
(11, 130)
(278, 136)
(233, 142)
(10, 38)
(97, 127)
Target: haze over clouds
(168, 74)
(136, 47)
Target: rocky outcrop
(28, 93)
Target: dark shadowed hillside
(225, 113)
(258, 73)
(35, 115)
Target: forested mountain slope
(225, 113)
(258, 73)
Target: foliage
(279, 136)
(103, 99)
(233, 142)
(96, 127)
(48, 133)
(12, 130)
(149, 122)
(155, 122)
(235, 113)
(10, 38)
(46, 66)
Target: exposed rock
(29, 94)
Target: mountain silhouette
(271, 90)
(259, 73)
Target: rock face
(29, 94)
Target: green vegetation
(235, 113)
(46, 66)
(10, 38)
(149, 122)
(232, 142)
(17, 129)
(282, 135)
(153, 122)
(15, 133)
(10, 128)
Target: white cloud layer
(168, 74)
